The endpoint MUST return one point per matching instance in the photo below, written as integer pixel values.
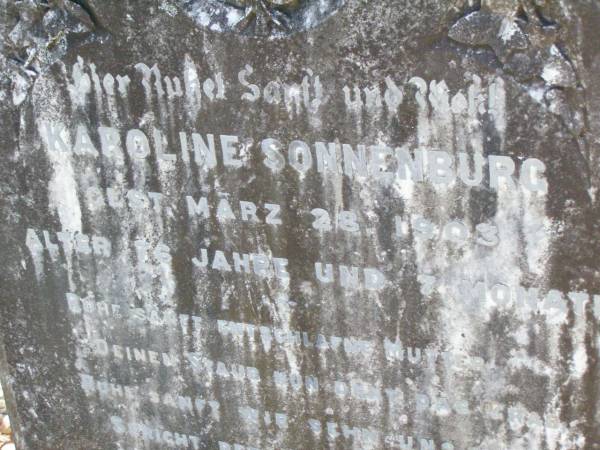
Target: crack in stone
(85, 5)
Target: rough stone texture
(476, 370)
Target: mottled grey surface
(116, 336)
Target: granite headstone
(300, 224)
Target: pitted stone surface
(336, 224)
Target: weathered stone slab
(301, 224)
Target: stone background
(538, 386)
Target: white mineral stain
(536, 228)
(537, 93)
(192, 88)
(551, 74)
(168, 8)
(557, 70)
(20, 89)
(518, 211)
(233, 17)
(508, 29)
(580, 360)
(63, 189)
(203, 18)
(519, 359)
(497, 107)
(37, 255)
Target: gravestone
(306, 224)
